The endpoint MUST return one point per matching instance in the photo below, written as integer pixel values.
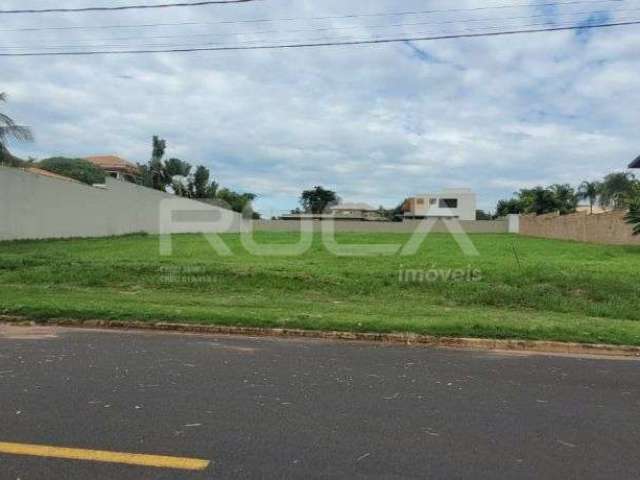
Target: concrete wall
(33, 206)
(514, 223)
(606, 228)
(409, 226)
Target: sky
(376, 124)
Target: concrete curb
(533, 346)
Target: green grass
(553, 290)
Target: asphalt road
(277, 409)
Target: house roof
(635, 163)
(354, 206)
(114, 163)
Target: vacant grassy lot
(529, 288)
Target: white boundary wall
(33, 206)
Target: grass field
(527, 288)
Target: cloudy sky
(375, 123)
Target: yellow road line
(157, 461)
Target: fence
(606, 228)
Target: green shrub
(633, 216)
(76, 168)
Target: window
(449, 203)
(433, 201)
(420, 201)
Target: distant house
(635, 163)
(345, 211)
(117, 167)
(457, 203)
(355, 211)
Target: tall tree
(10, 130)
(589, 191)
(176, 167)
(542, 201)
(508, 207)
(156, 167)
(200, 185)
(565, 197)
(618, 190)
(318, 199)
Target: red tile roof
(114, 164)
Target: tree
(589, 191)
(538, 200)
(176, 167)
(618, 190)
(238, 202)
(633, 216)
(155, 169)
(200, 185)
(318, 199)
(10, 130)
(566, 199)
(482, 215)
(177, 172)
(509, 207)
(159, 174)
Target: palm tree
(538, 200)
(565, 197)
(633, 217)
(156, 167)
(9, 130)
(589, 191)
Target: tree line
(181, 178)
(172, 175)
(619, 191)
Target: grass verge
(553, 290)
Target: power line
(328, 29)
(124, 7)
(298, 19)
(326, 44)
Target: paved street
(274, 409)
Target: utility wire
(122, 47)
(124, 7)
(328, 29)
(326, 44)
(298, 19)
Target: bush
(76, 168)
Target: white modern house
(457, 203)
